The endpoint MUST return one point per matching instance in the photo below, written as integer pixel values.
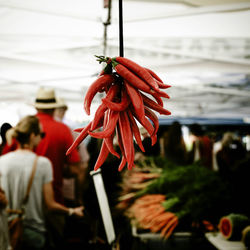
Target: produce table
(220, 243)
(178, 241)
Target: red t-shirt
(8, 148)
(54, 145)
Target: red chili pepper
(152, 116)
(109, 140)
(132, 78)
(101, 82)
(158, 99)
(99, 114)
(138, 70)
(79, 138)
(78, 130)
(118, 106)
(158, 79)
(163, 85)
(127, 137)
(136, 100)
(155, 106)
(104, 152)
(119, 139)
(135, 130)
(110, 145)
(112, 120)
(154, 75)
(144, 122)
(122, 163)
(162, 94)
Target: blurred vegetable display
(187, 197)
(133, 95)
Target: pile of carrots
(129, 88)
(149, 213)
(133, 181)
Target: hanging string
(121, 29)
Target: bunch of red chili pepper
(127, 86)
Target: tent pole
(121, 29)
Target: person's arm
(53, 205)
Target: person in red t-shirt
(54, 146)
(57, 140)
(202, 146)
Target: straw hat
(61, 102)
(46, 99)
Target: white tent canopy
(200, 47)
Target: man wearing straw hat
(57, 140)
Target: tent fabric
(198, 47)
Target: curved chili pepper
(78, 130)
(119, 139)
(104, 152)
(99, 114)
(144, 122)
(162, 85)
(98, 125)
(135, 130)
(133, 79)
(79, 138)
(118, 106)
(112, 120)
(162, 94)
(155, 106)
(138, 70)
(136, 100)
(122, 163)
(98, 85)
(127, 137)
(152, 73)
(152, 116)
(109, 140)
(158, 80)
(147, 125)
(158, 99)
(110, 146)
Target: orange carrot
(171, 229)
(167, 227)
(161, 221)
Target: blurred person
(232, 151)
(7, 145)
(69, 184)
(57, 141)
(54, 146)
(16, 167)
(233, 163)
(4, 234)
(217, 145)
(202, 146)
(174, 148)
(4, 128)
